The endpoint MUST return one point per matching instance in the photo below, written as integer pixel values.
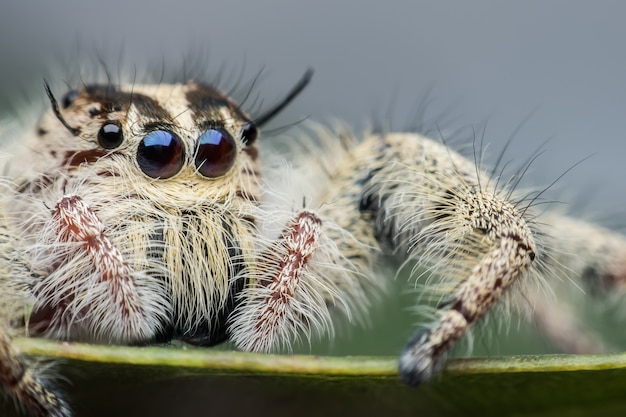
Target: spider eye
(110, 135)
(69, 98)
(249, 133)
(215, 153)
(161, 154)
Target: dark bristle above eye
(57, 113)
(292, 94)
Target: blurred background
(557, 68)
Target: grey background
(495, 61)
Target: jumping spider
(137, 214)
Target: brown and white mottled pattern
(283, 298)
(96, 245)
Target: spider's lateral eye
(161, 154)
(110, 135)
(69, 98)
(215, 153)
(249, 133)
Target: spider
(139, 215)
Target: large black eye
(215, 153)
(249, 133)
(161, 154)
(110, 135)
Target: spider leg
(560, 326)
(280, 299)
(93, 292)
(296, 283)
(488, 247)
(424, 202)
(19, 377)
(591, 254)
(20, 381)
(585, 258)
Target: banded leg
(559, 324)
(94, 292)
(591, 254)
(19, 378)
(298, 280)
(280, 299)
(591, 257)
(484, 246)
(427, 203)
(24, 385)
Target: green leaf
(178, 381)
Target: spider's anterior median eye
(249, 133)
(110, 135)
(161, 154)
(215, 153)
